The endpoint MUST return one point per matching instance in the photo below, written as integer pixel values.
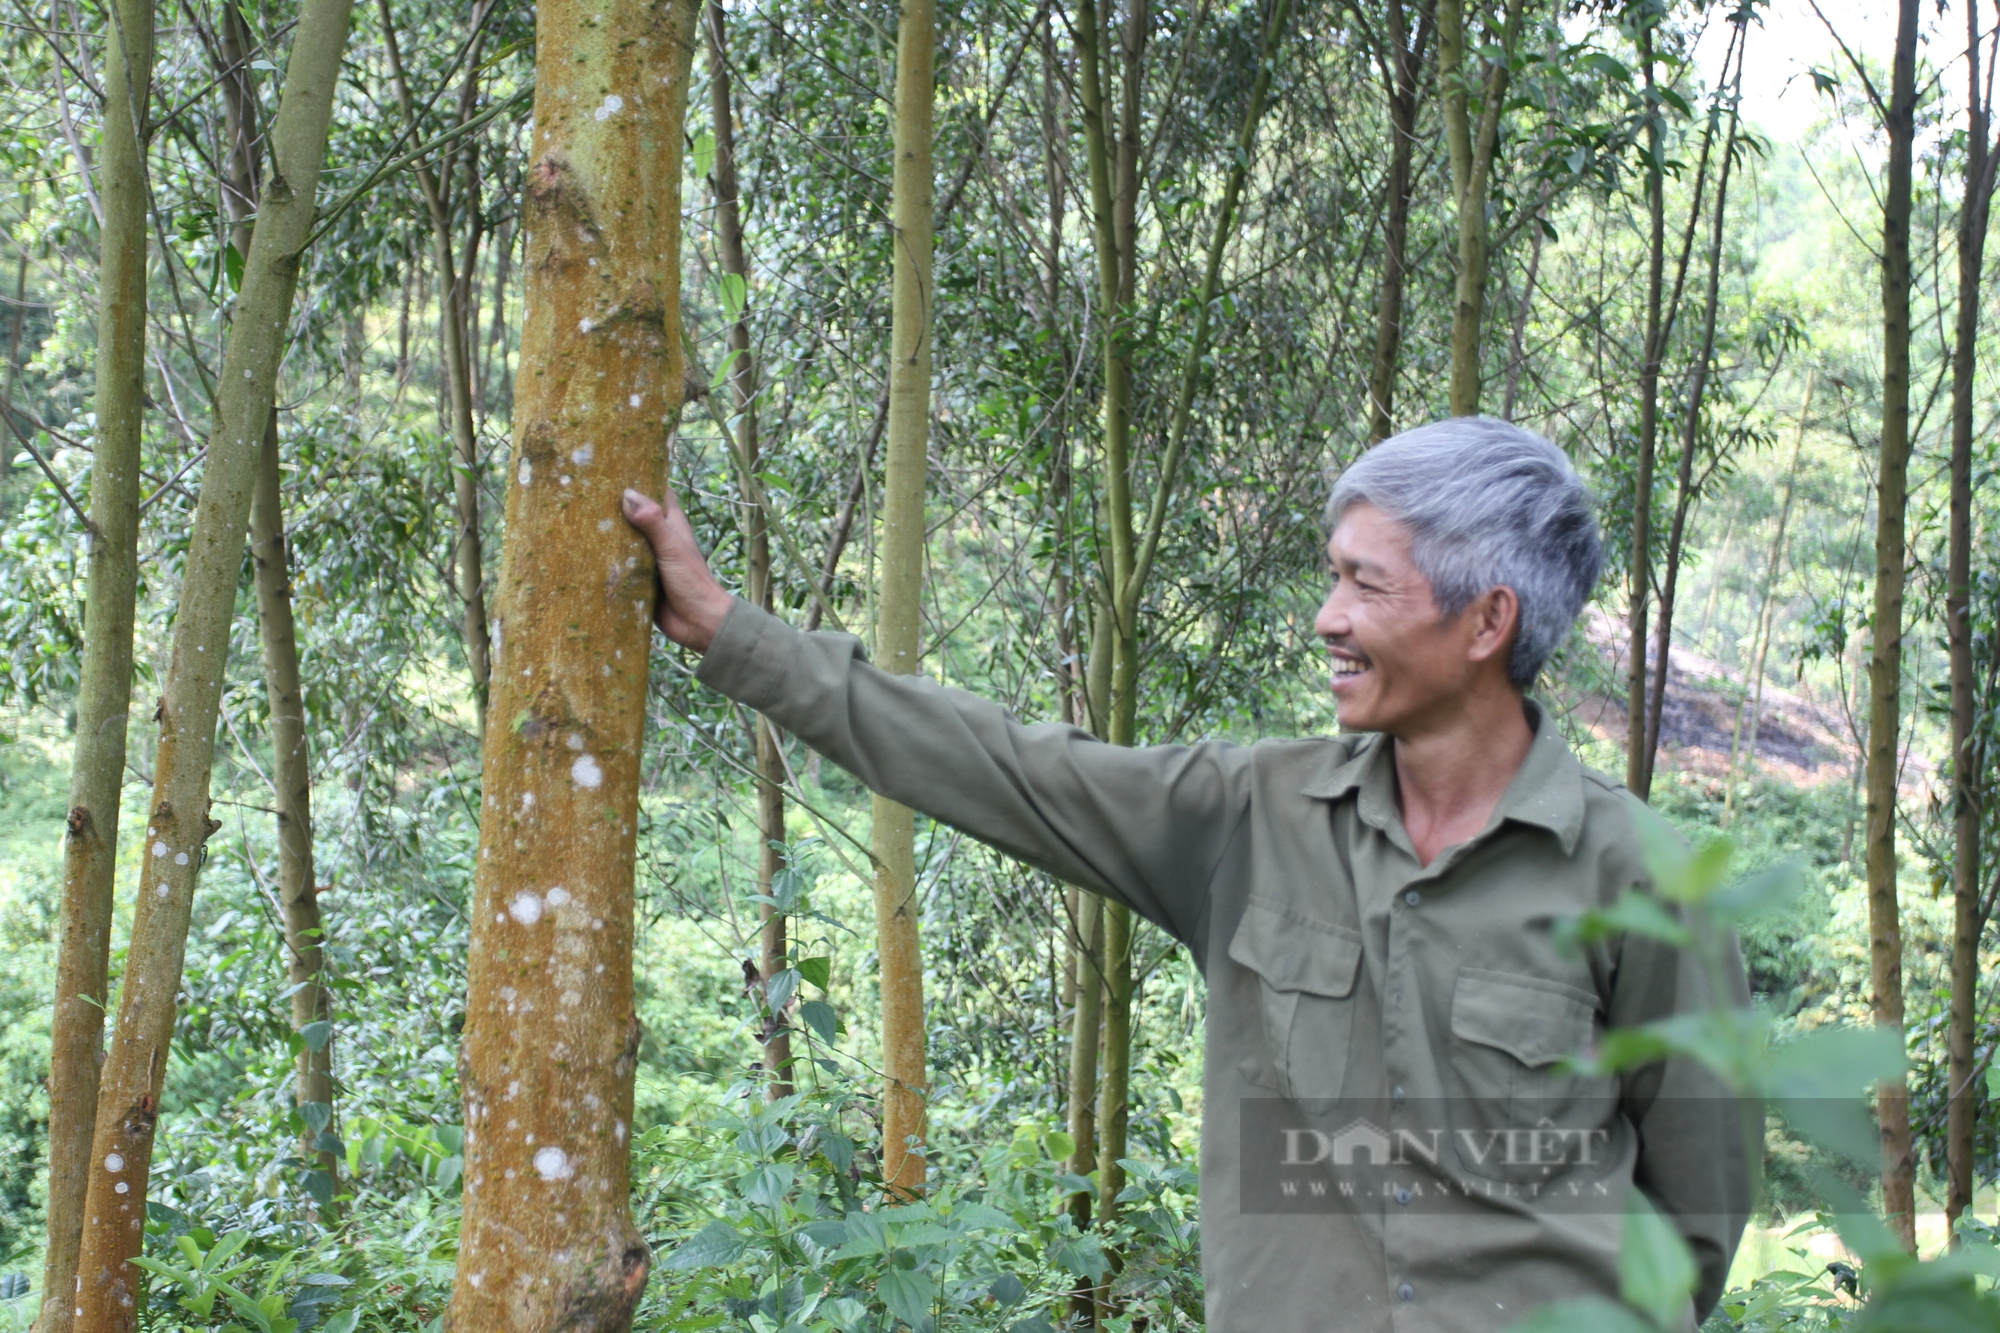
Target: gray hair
(1488, 505)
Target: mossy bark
(551, 1035)
(178, 827)
(104, 694)
(899, 614)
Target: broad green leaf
(768, 1184)
(821, 1018)
(1058, 1145)
(819, 971)
(1007, 1289)
(714, 1245)
(778, 991)
(317, 1034)
(908, 1294)
(1656, 1271)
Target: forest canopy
(1022, 340)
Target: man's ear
(1493, 617)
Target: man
(1390, 1138)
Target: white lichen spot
(582, 454)
(618, 1130)
(597, 924)
(475, 1279)
(114, 1163)
(575, 740)
(527, 800)
(604, 525)
(571, 999)
(558, 896)
(526, 472)
(508, 1173)
(499, 916)
(585, 772)
(553, 1164)
(164, 890)
(586, 324)
(635, 400)
(613, 104)
(526, 908)
(563, 479)
(161, 849)
(599, 969)
(530, 1140)
(180, 858)
(121, 1187)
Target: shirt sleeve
(1143, 826)
(1700, 1143)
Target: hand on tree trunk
(692, 603)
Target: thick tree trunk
(104, 694)
(1885, 686)
(291, 776)
(551, 1036)
(777, 1036)
(128, 1099)
(899, 615)
(1472, 145)
(455, 334)
(1406, 61)
(1967, 751)
(1684, 484)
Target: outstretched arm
(1146, 827)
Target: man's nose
(1332, 618)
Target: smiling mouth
(1346, 668)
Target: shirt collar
(1547, 791)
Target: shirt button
(1413, 898)
(1406, 1292)
(1396, 1094)
(1403, 1197)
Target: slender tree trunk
(899, 613)
(1517, 339)
(128, 1099)
(551, 1035)
(1885, 687)
(468, 559)
(1472, 144)
(104, 694)
(1406, 64)
(1967, 749)
(1639, 585)
(291, 773)
(1663, 638)
(757, 536)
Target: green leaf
(1656, 1271)
(320, 1185)
(1007, 1289)
(317, 1034)
(702, 156)
(1058, 1145)
(232, 267)
(1633, 914)
(819, 971)
(780, 989)
(980, 1217)
(713, 1246)
(1082, 1256)
(908, 1294)
(820, 1017)
(343, 1322)
(733, 292)
(768, 1184)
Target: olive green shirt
(1354, 996)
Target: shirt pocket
(1514, 1113)
(1306, 970)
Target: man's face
(1397, 663)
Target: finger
(645, 514)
